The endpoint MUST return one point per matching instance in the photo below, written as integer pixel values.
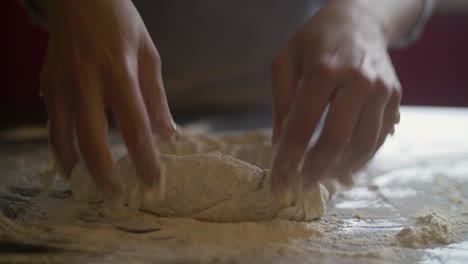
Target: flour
(212, 179)
(361, 225)
(427, 230)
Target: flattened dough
(219, 179)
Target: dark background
(433, 71)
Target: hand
(338, 59)
(100, 54)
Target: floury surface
(409, 205)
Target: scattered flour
(82, 232)
(427, 230)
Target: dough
(220, 179)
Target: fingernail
(173, 126)
(176, 134)
(165, 126)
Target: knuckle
(155, 57)
(127, 63)
(364, 83)
(395, 97)
(319, 70)
(398, 92)
(323, 68)
(358, 74)
(384, 90)
(389, 85)
(362, 77)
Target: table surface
(420, 170)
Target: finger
(299, 126)
(346, 178)
(284, 89)
(91, 129)
(337, 131)
(133, 120)
(152, 89)
(391, 117)
(60, 114)
(365, 136)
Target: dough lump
(219, 179)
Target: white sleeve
(418, 28)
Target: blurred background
(433, 71)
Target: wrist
(359, 17)
(393, 19)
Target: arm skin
(100, 55)
(337, 60)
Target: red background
(434, 71)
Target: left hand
(337, 59)
(100, 55)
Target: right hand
(339, 59)
(100, 54)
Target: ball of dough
(211, 186)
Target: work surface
(409, 205)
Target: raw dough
(220, 179)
